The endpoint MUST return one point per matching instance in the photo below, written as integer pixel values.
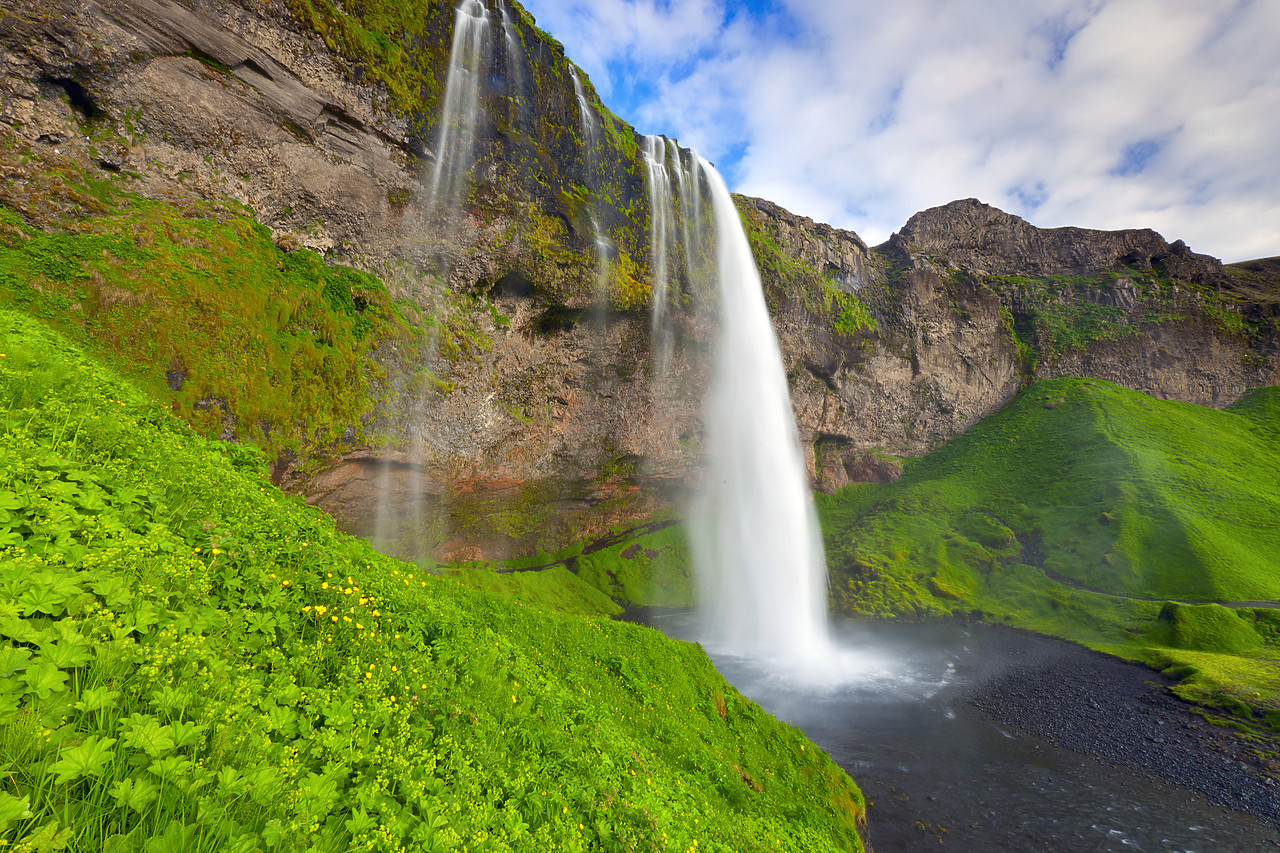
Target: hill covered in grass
(1092, 512)
(193, 661)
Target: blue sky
(1098, 113)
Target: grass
(194, 661)
(649, 565)
(1082, 509)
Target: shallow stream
(896, 714)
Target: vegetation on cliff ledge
(1095, 513)
(192, 660)
(192, 300)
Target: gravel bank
(1122, 714)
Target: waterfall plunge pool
(950, 732)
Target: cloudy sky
(1098, 113)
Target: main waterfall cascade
(758, 554)
(760, 562)
(761, 568)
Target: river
(917, 715)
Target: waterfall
(403, 512)
(661, 239)
(515, 66)
(587, 120)
(455, 145)
(590, 138)
(762, 572)
(690, 213)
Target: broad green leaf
(14, 580)
(272, 833)
(146, 734)
(64, 655)
(133, 793)
(360, 821)
(173, 769)
(230, 780)
(97, 698)
(45, 679)
(187, 734)
(13, 808)
(91, 501)
(176, 838)
(171, 700)
(21, 630)
(9, 704)
(145, 615)
(113, 591)
(120, 843)
(90, 758)
(13, 659)
(62, 583)
(47, 839)
(42, 599)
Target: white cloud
(600, 34)
(1099, 113)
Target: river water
(941, 775)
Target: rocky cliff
(532, 415)
(966, 303)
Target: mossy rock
(987, 530)
(1205, 628)
(952, 583)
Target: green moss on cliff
(786, 277)
(195, 302)
(1065, 313)
(402, 45)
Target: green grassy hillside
(193, 661)
(1077, 510)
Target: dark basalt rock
(983, 240)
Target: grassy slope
(193, 660)
(195, 290)
(1077, 510)
(633, 566)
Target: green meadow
(1141, 527)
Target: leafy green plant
(190, 660)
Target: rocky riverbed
(1124, 714)
(979, 737)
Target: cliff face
(970, 302)
(535, 392)
(535, 408)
